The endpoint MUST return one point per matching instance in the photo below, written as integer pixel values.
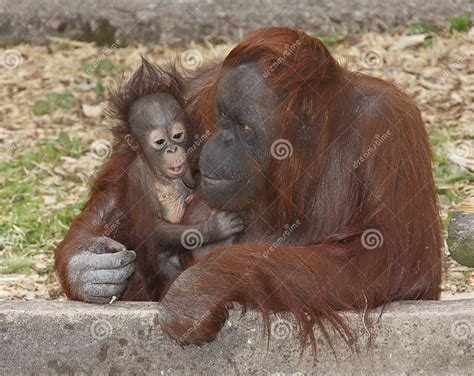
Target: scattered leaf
(408, 41)
(92, 111)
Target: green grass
(422, 28)
(460, 24)
(103, 67)
(20, 265)
(53, 101)
(427, 43)
(99, 69)
(28, 225)
(330, 40)
(99, 89)
(455, 23)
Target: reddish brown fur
(331, 117)
(327, 269)
(118, 206)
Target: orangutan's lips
(178, 169)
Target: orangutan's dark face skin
(233, 162)
(158, 126)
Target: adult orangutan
(358, 166)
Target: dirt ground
(53, 133)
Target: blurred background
(57, 59)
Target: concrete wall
(125, 338)
(177, 22)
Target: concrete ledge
(179, 22)
(125, 338)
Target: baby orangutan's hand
(221, 225)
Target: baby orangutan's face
(157, 123)
(168, 146)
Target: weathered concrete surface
(178, 22)
(125, 338)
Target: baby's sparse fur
(149, 79)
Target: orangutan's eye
(245, 128)
(221, 112)
(160, 143)
(178, 136)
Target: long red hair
(360, 173)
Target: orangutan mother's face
(234, 161)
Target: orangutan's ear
(130, 140)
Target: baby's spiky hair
(148, 79)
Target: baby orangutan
(156, 133)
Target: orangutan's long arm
(91, 266)
(312, 282)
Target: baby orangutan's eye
(160, 143)
(178, 136)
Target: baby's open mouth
(177, 170)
